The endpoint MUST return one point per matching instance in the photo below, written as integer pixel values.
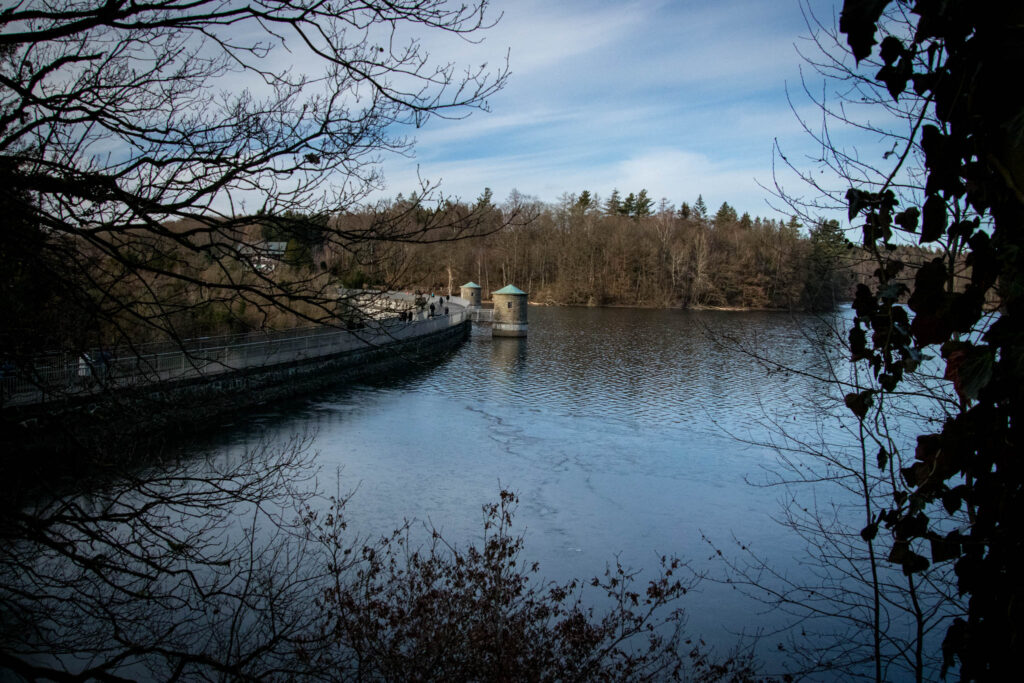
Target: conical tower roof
(510, 289)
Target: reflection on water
(623, 431)
(508, 358)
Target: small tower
(471, 293)
(509, 312)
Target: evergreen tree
(700, 209)
(585, 200)
(614, 203)
(826, 282)
(629, 206)
(726, 215)
(642, 205)
(485, 200)
(684, 211)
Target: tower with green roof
(509, 312)
(471, 293)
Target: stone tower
(509, 312)
(471, 293)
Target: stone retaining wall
(147, 413)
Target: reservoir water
(626, 433)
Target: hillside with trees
(631, 252)
(288, 269)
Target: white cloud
(545, 34)
(681, 98)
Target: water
(626, 433)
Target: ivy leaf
(916, 474)
(895, 76)
(912, 562)
(964, 229)
(953, 644)
(858, 344)
(945, 548)
(856, 200)
(907, 220)
(924, 82)
(970, 368)
(864, 302)
(860, 403)
(929, 287)
(893, 267)
(883, 458)
(891, 49)
(858, 20)
(952, 499)
(934, 221)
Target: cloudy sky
(679, 97)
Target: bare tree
(438, 612)
(232, 569)
(150, 151)
(846, 604)
(184, 568)
(948, 178)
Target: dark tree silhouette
(952, 181)
(150, 152)
(145, 148)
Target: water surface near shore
(625, 432)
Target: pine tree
(700, 209)
(726, 215)
(585, 200)
(485, 200)
(628, 206)
(825, 282)
(614, 203)
(642, 205)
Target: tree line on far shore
(630, 252)
(578, 251)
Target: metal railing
(61, 375)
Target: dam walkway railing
(64, 375)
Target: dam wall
(202, 394)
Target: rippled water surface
(625, 432)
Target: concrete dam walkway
(60, 376)
(177, 387)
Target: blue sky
(679, 97)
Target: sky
(678, 97)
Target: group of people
(443, 299)
(437, 307)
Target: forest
(578, 251)
(582, 251)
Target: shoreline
(727, 309)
